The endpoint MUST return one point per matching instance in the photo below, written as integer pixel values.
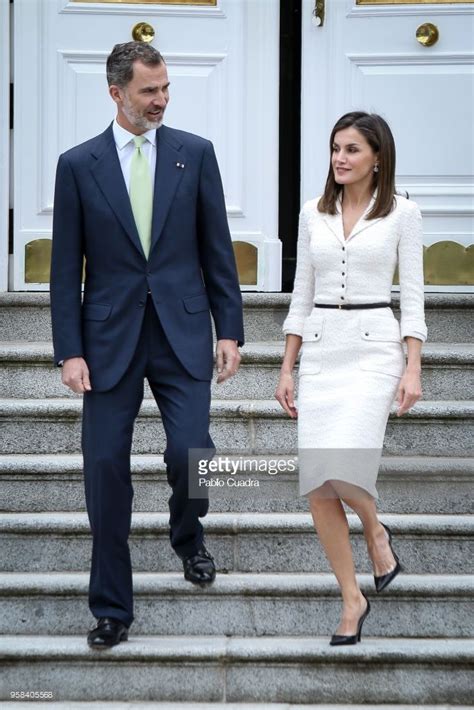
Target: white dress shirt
(126, 147)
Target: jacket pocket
(380, 346)
(310, 361)
(195, 304)
(96, 311)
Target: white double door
(366, 56)
(223, 66)
(223, 60)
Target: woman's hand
(409, 391)
(285, 394)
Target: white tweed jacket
(359, 269)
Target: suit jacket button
(142, 303)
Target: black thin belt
(352, 306)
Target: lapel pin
(180, 165)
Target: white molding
(234, 211)
(441, 289)
(421, 10)
(27, 29)
(269, 259)
(67, 7)
(194, 59)
(446, 211)
(410, 59)
(261, 96)
(460, 185)
(4, 140)
(420, 190)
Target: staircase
(259, 637)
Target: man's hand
(227, 359)
(75, 375)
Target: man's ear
(116, 93)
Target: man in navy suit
(143, 203)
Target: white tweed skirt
(350, 368)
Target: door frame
(4, 141)
(290, 136)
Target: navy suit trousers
(107, 429)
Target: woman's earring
(376, 168)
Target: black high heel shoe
(339, 640)
(384, 579)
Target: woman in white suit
(352, 365)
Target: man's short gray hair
(120, 61)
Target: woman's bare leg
(363, 504)
(332, 528)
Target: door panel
(366, 56)
(222, 59)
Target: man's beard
(139, 120)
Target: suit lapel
(364, 223)
(335, 223)
(108, 174)
(170, 157)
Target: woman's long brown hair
(377, 133)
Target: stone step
(240, 542)
(431, 606)
(217, 669)
(26, 316)
(53, 426)
(27, 372)
(406, 484)
(144, 705)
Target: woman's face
(352, 159)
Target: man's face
(142, 103)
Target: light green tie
(141, 194)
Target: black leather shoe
(384, 580)
(108, 632)
(340, 640)
(199, 568)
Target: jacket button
(343, 262)
(342, 298)
(315, 335)
(366, 333)
(343, 286)
(343, 273)
(343, 248)
(142, 303)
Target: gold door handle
(427, 34)
(143, 32)
(318, 13)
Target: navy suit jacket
(191, 268)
